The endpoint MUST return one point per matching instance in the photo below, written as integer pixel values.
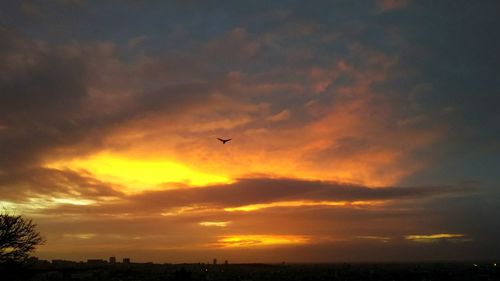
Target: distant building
(63, 263)
(226, 262)
(215, 261)
(96, 262)
(112, 260)
(126, 260)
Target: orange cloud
(137, 175)
(301, 203)
(250, 240)
(280, 116)
(430, 238)
(214, 223)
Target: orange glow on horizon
(237, 241)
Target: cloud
(42, 95)
(135, 42)
(67, 99)
(30, 10)
(430, 238)
(214, 223)
(171, 105)
(243, 241)
(26, 184)
(273, 192)
(280, 116)
(388, 5)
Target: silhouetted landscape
(40, 270)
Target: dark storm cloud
(262, 190)
(42, 93)
(18, 184)
(47, 106)
(452, 46)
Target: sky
(361, 130)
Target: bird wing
(224, 140)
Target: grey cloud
(263, 190)
(47, 106)
(42, 93)
(19, 184)
(254, 191)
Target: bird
(223, 140)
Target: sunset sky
(361, 130)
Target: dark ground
(148, 271)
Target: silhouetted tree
(18, 238)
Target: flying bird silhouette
(223, 140)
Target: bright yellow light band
(138, 174)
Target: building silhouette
(96, 262)
(63, 263)
(126, 260)
(215, 261)
(112, 260)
